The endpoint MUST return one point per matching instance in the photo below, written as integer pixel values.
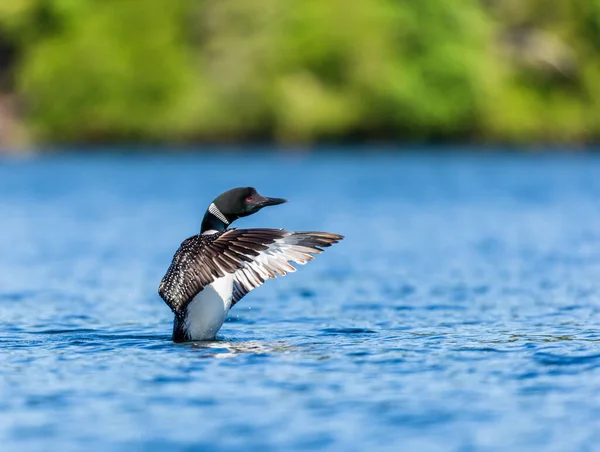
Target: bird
(213, 270)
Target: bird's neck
(212, 223)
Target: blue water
(461, 312)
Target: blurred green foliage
(289, 71)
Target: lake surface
(460, 313)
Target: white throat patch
(217, 213)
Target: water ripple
(461, 312)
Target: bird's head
(234, 204)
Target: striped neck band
(217, 213)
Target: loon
(216, 268)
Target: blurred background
(237, 71)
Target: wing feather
(275, 260)
(251, 255)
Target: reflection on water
(461, 312)
(224, 349)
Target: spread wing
(251, 255)
(296, 247)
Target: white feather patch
(208, 310)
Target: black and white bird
(215, 269)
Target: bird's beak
(271, 202)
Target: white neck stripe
(217, 213)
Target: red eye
(249, 198)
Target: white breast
(208, 310)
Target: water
(461, 312)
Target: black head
(234, 204)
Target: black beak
(271, 202)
